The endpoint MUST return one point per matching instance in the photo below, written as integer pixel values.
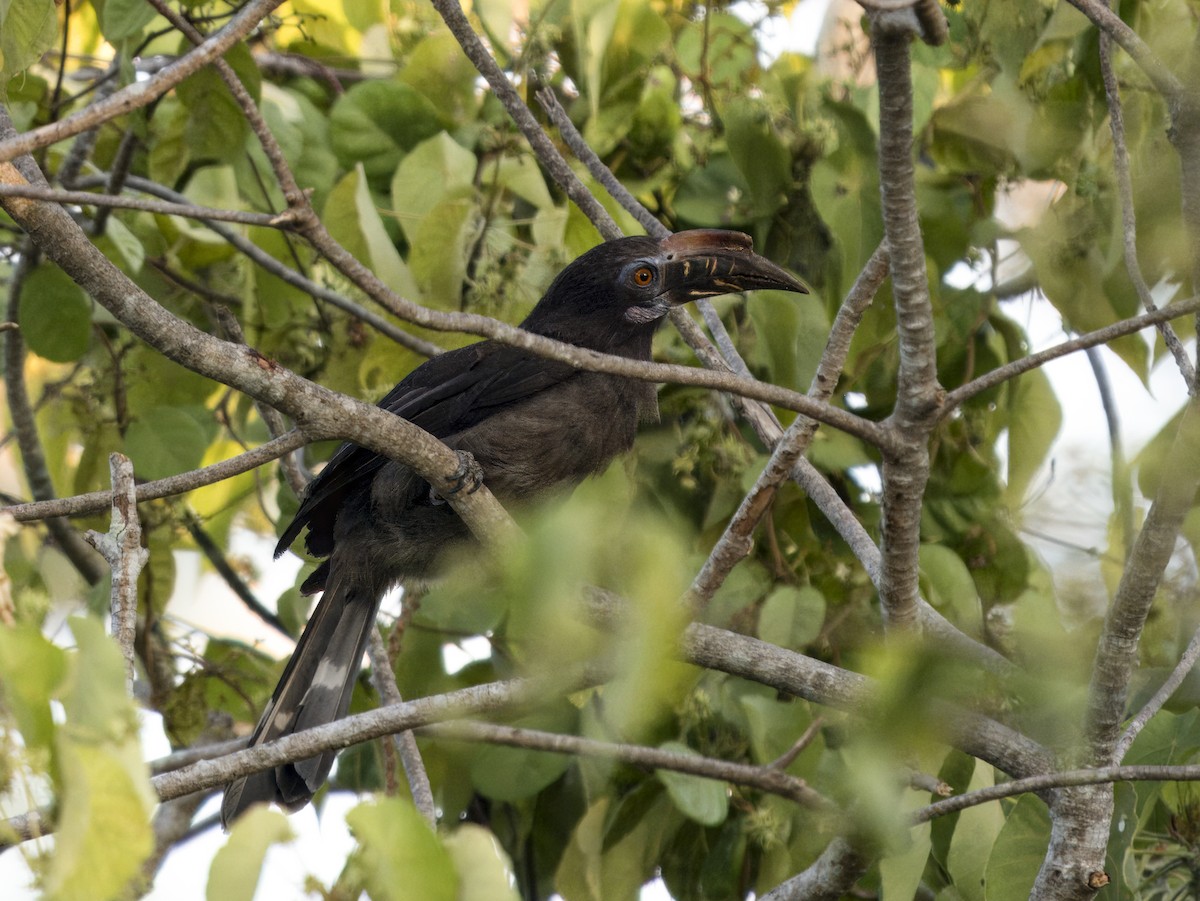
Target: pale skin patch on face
(643, 315)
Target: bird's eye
(643, 276)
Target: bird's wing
(444, 396)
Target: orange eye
(643, 276)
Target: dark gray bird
(531, 425)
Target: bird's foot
(467, 475)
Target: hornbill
(531, 425)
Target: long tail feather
(315, 689)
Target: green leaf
(233, 875)
(398, 857)
(32, 670)
(510, 774)
(122, 245)
(792, 617)
(900, 873)
(56, 315)
(484, 870)
(214, 186)
(28, 28)
(1034, 419)
(1167, 739)
(776, 319)
(435, 169)
(718, 51)
(438, 68)
(120, 19)
(216, 128)
(715, 194)
(1018, 852)
(438, 259)
(163, 441)
(949, 586)
(704, 800)
(376, 122)
(975, 836)
(104, 829)
(773, 724)
(591, 870)
(353, 219)
(790, 336)
(764, 161)
(303, 132)
(521, 175)
(106, 799)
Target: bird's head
(622, 289)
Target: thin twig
(784, 760)
(927, 783)
(141, 93)
(291, 276)
(451, 12)
(735, 543)
(33, 456)
(1062, 779)
(1185, 665)
(383, 677)
(229, 575)
(1122, 486)
(1108, 22)
(1116, 121)
(963, 393)
(188, 210)
(1117, 650)
(297, 200)
(604, 175)
(764, 778)
(88, 504)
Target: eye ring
(643, 276)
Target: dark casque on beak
(704, 262)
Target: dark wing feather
(444, 396)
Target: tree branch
(963, 393)
(88, 504)
(1190, 655)
(33, 458)
(1047, 781)
(822, 683)
(829, 877)
(1116, 653)
(1116, 122)
(905, 469)
(1108, 22)
(383, 677)
(166, 208)
(208, 773)
(763, 778)
(735, 543)
(321, 413)
(122, 548)
(140, 93)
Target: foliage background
(417, 170)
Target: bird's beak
(705, 262)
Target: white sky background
(1073, 504)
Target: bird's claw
(467, 475)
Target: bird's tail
(315, 688)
